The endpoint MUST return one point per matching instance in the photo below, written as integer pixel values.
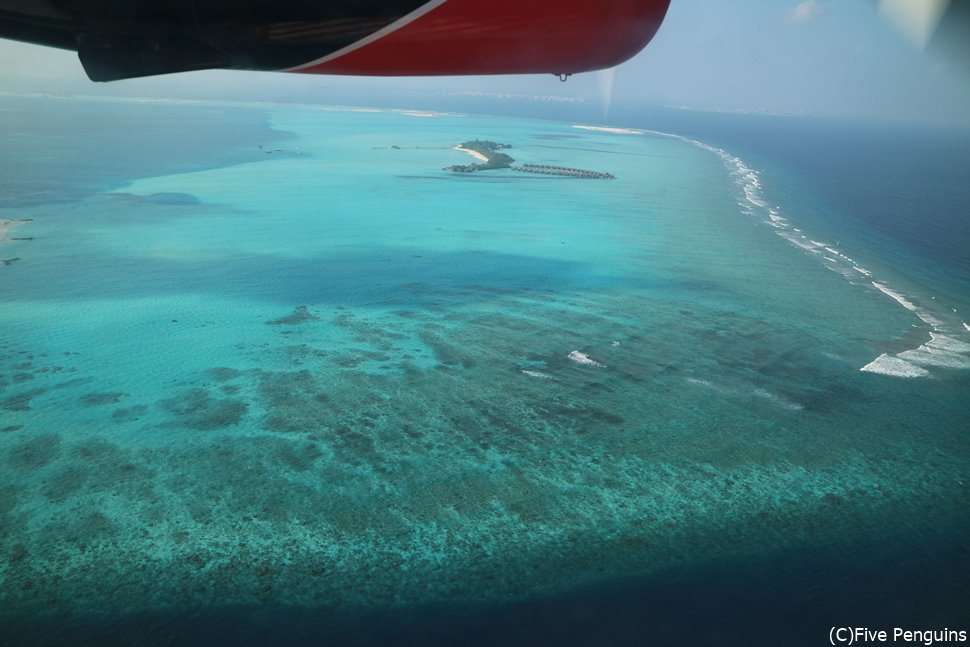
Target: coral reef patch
(198, 409)
(300, 315)
(101, 399)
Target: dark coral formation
(299, 457)
(36, 452)
(125, 414)
(223, 374)
(21, 401)
(300, 315)
(197, 409)
(100, 399)
(84, 531)
(445, 352)
(296, 400)
(66, 483)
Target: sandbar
(607, 129)
(6, 226)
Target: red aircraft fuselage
(362, 37)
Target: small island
(485, 150)
(488, 152)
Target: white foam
(751, 193)
(844, 271)
(538, 374)
(926, 356)
(888, 291)
(777, 400)
(583, 358)
(946, 342)
(699, 382)
(894, 366)
(943, 350)
(799, 240)
(924, 316)
(707, 384)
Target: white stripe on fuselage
(377, 35)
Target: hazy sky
(834, 58)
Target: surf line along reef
(488, 152)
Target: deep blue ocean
(901, 190)
(269, 375)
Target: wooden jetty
(563, 171)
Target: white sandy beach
(474, 154)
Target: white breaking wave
(941, 351)
(538, 374)
(944, 350)
(700, 382)
(899, 298)
(583, 358)
(800, 241)
(889, 365)
(903, 301)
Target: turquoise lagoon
(309, 368)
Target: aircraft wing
(119, 39)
